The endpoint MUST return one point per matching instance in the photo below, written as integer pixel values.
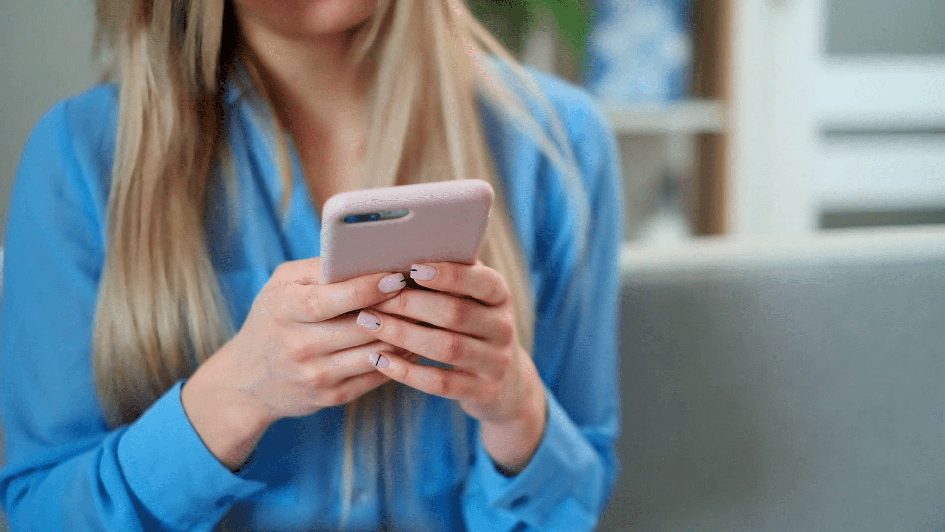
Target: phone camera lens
(373, 217)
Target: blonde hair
(160, 310)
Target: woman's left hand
(466, 320)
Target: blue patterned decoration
(641, 51)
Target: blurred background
(783, 318)
(744, 118)
(755, 117)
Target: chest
(331, 159)
(327, 174)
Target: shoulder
(84, 120)
(575, 107)
(548, 207)
(588, 131)
(550, 99)
(67, 157)
(83, 126)
(567, 116)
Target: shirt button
(518, 502)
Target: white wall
(45, 56)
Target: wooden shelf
(686, 117)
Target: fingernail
(379, 360)
(392, 283)
(369, 321)
(422, 272)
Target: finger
(318, 302)
(355, 387)
(347, 363)
(477, 281)
(338, 333)
(448, 383)
(444, 346)
(443, 310)
(304, 271)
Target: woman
(171, 360)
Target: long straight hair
(160, 310)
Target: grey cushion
(784, 388)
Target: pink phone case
(445, 222)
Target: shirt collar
(238, 84)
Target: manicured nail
(422, 272)
(379, 360)
(369, 321)
(392, 283)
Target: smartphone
(389, 229)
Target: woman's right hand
(299, 350)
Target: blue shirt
(66, 470)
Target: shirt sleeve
(65, 469)
(570, 478)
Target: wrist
(229, 422)
(511, 444)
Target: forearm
(83, 491)
(130, 479)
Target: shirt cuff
(559, 489)
(171, 470)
